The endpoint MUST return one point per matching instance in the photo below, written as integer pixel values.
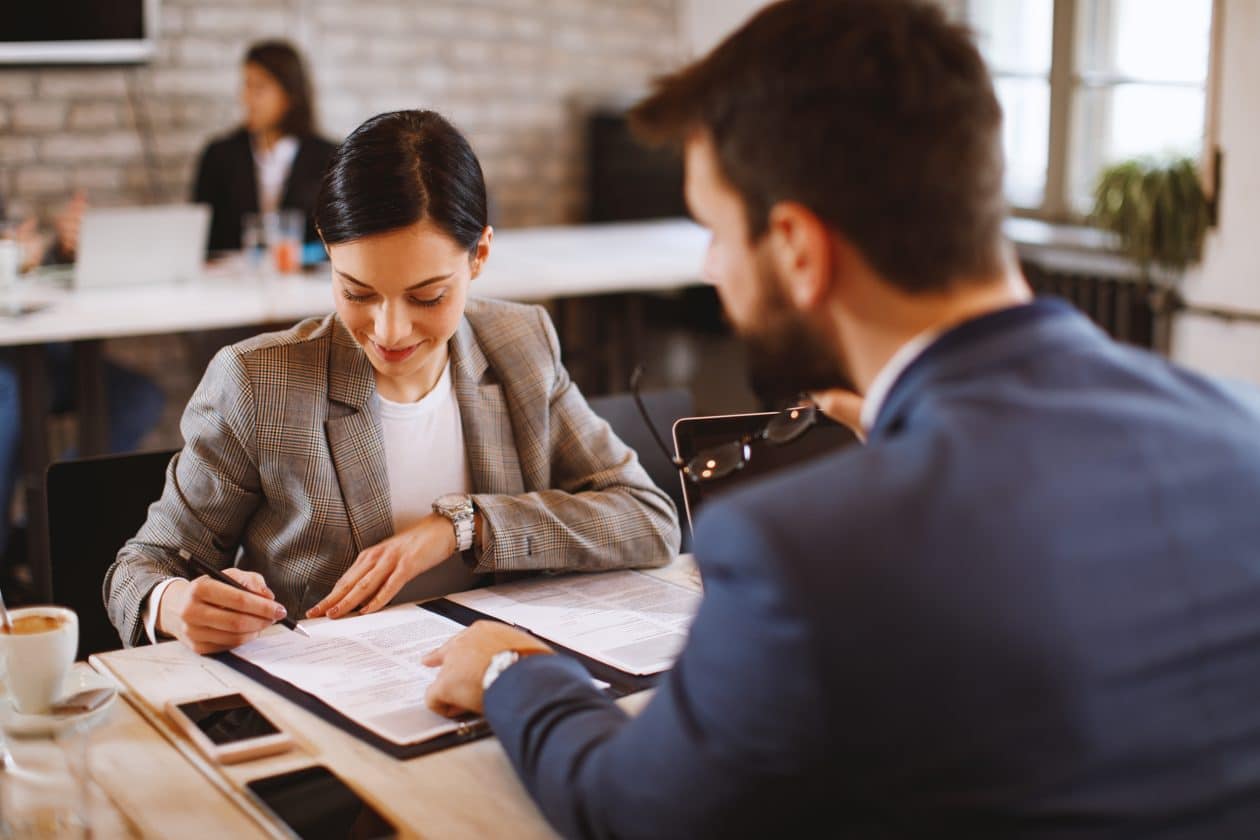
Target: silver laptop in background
(127, 246)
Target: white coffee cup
(36, 663)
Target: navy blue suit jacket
(1028, 607)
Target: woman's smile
(398, 353)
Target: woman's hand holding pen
(378, 573)
(210, 616)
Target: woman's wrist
(444, 529)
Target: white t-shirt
(271, 168)
(425, 459)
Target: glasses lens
(790, 423)
(717, 462)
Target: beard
(787, 354)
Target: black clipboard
(620, 684)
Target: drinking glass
(283, 231)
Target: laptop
(127, 246)
(693, 435)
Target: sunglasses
(720, 461)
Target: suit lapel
(489, 443)
(994, 340)
(355, 443)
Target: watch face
(454, 503)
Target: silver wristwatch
(499, 663)
(458, 508)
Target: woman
(275, 160)
(320, 452)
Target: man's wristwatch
(458, 508)
(499, 663)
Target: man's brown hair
(877, 115)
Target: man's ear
(801, 248)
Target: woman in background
(276, 159)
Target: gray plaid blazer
(283, 466)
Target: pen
(205, 568)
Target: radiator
(1127, 308)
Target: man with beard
(1030, 604)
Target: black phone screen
(228, 719)
(316, 805)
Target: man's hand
(463, 660)
(381, 571)
(843, 407)
(210, 616)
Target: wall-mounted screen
(78, 32)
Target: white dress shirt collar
(883, 382)
(272, 168)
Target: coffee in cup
(37, 650)
(28, 624)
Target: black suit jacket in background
(226, 181)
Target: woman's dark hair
(398, 169)
(284, 64)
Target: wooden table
(140, 787)
(158, 781)
(530, 264)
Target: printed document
(367, 667)
(630, 620)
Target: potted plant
(1160, 216)
(1157, 209)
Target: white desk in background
(529, 264)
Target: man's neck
(871, 337)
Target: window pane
(1014, 35)
(1152, 40)
(1025, 138)
(1125, 121)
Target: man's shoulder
(812, 509)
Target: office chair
(94, 506)
(664, 407)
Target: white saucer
(22, 725)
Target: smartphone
(228, 729)
(316, 805)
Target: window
(1085, 83)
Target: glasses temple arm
(638, 403)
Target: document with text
(366, 667)
(632, 621)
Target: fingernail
(334, 611)
(280, 611)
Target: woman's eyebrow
(356, 281)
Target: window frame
(1066, 79)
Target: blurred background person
(134, 401)
(275, 159)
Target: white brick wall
(507, 71)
